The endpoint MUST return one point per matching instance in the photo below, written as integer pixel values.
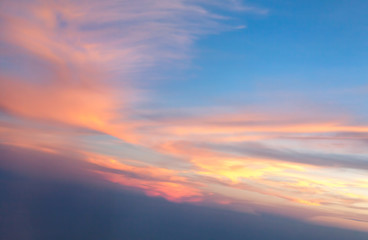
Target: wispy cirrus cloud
(86, 56)
(72, 65)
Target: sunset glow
(188, 101)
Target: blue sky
(298, 47)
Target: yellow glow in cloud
(233, 169)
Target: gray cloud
(289, 155)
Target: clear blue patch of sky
(299, 46)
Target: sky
(253, 107)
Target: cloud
(80, 60)
(72, 77)
(290, 155)
(92, 168)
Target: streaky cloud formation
(80, 82)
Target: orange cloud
(177, 192)
(154, 181)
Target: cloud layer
(72, 83)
